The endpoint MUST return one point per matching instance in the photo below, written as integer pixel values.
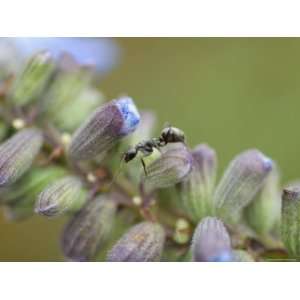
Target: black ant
(168, 135)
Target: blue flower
(131, 116)
(102, 52)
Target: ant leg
(144, 166)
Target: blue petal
(102, 52)
(131, 116)
(223, 257)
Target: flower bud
(211, 242)
(196, 192)
(70, 94)
(144, 242)
(21, 196)
(241, 181)
(242, 256)
(33, 79)
(65, 194)
(82, 105)
(106, 126)
(17, 154)
(290, 220)
(265, 210)
(172, 167)
(89, 229)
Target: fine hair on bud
(211, 242)
(65, 194)
(33, 79)
(242, 179)
(172, 167)
(89, 229)
(144, 242)
(196, 191)
(104, 128)
(18, 153)
(265, 210)
(290, 220)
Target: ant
(168, 135)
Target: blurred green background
(232, 93)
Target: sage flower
(104, 53)
(104, 128)
(20, 197)
(32, 80)
(211, 242)
(142, 243)
(196, 192)
(89, 229)
(172, 167)
(65, 194)
(18, 153)
(265, 209)
(242, 179)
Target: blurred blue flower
(104, 53)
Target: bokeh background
(232, 93)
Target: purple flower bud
(172, 167)
(65, 194)
(106, 126)
(89, 229)
(142, 243)
(17, 154)
(241, 181)
(196, 192)
(290, 219)
(211, 242)
(104, 53)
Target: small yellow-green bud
(265, 210)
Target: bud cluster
(61, 146)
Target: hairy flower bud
(65, 194)
(241, 181)
(70, 94)
(196, 192)
(290, 220)
(17, 154)
(172, 167)
(106, 126)
(264, 211)
(211, 242)
(33, 79)
(89, 229)
(21, 196)
(144, 242)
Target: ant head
(130, 155)
(172, 135)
